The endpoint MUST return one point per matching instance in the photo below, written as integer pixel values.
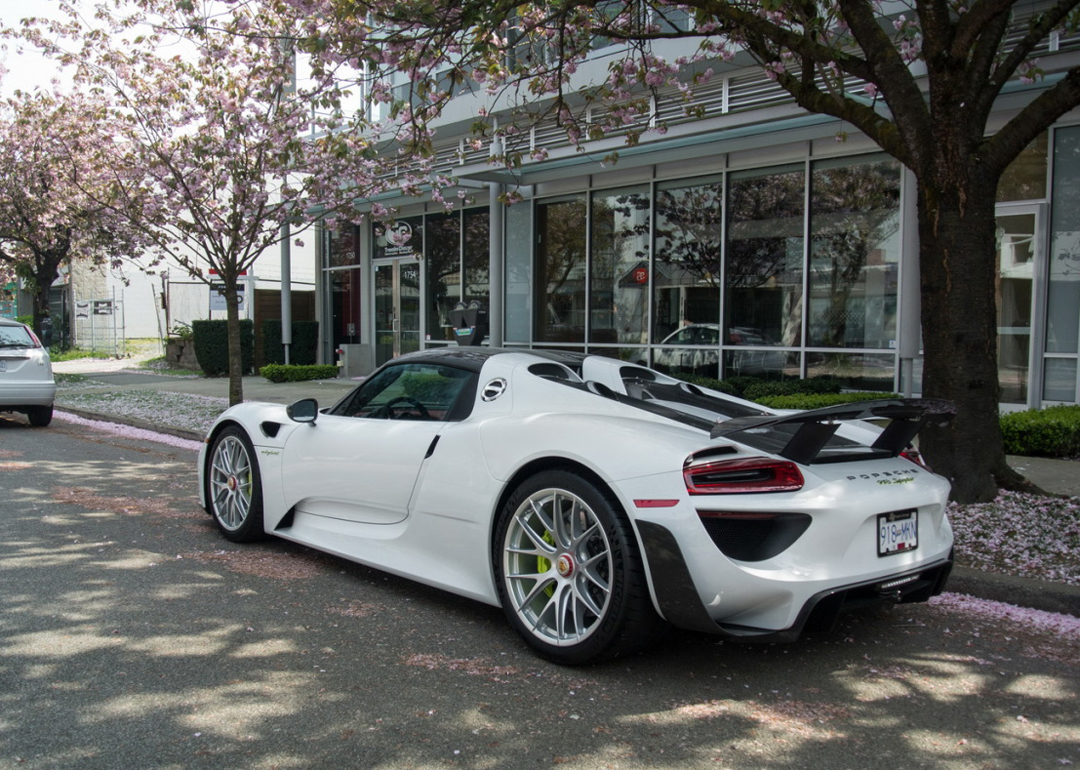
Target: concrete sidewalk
(1055, 476)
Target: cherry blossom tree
(231, 154)
(919, 78)
(56, 178)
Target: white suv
(26, 378)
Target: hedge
(298, 373)
(1050, 432)
(212, 346)
(302, 350)
(755, 388)
(820, 400)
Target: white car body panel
(420, 499)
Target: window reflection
(442, 264)
(857, 371)
(686, 272)
(764, 259)
(476, 257)
(619, 276)
(559, 314)
(854, 255)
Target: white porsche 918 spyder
(594, 500)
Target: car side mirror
(304, 410)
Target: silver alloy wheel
(230, 482)
(557, 566)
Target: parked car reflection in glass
(752, 361)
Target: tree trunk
(959, 321)
(236, 359)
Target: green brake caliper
(543, 564)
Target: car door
(360, 462)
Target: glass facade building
(778, 262)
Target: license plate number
(897, 532)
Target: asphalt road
(133, 636)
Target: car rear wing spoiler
(814, 428)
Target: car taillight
(742, 476)
(34, 337)
(913, 454)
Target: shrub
(212, 346)
(298, 372)
(770, 388)
(819, 400)
(1050, 432)
(302, 350)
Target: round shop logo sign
(397, 239)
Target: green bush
(819, 400)
(302, 350)
(772, 388)
(298, 372)
(1050, 432)
(212, 346)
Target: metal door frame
(395, 266)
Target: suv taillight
(742, 476)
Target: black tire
(234, 487)
(573, 585)
(39, 416)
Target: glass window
(1025, 178)
(619, 268)
(477, 256)
(854, 254)
(403, 238)
(686, 270)
(763, 363)
(442, 260)
(346, 299)
(684, 361)
(407, 392)
(1063, 300)
(1060, 381)
(518, 303)
(854, 370)
(764, 257)
(1013, 258)
(559, 310)
(343, 246)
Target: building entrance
(397, 308)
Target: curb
(1026, 592)
(134, 422)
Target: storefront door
(397, 309)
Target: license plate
(897, 532)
